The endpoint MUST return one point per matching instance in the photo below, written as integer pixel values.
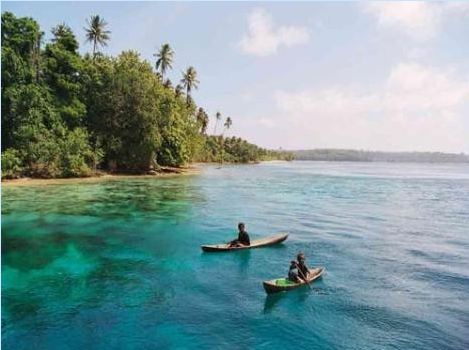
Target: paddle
(303, 276)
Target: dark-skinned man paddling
(243, 237)
(298, 271)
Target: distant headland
(327, 154)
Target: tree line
(375, 156)
(65, 114)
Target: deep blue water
(117, 264)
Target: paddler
(243, 237)
(298, 271)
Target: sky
(390, 76)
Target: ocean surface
(117, 264)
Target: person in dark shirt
(302, 267)
(243, 237)
(298, 271)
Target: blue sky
(378, 76)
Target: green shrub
(76, 154)
(12, 166)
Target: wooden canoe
(257, 243)
(283, 284)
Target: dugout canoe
(257, 243)
(284, 284)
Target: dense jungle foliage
(65, 114)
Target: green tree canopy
(64, 114)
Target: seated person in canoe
(298, 271)
(243, 237)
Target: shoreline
(193, 169)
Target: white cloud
(417, 108)
(418, 19)
(263, 39)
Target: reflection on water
(271, 300)
(244, 258)
(297, 296)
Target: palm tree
(189, 81)
(96, 32)
(228, 123)
(222, 148)
(217, 119)
(205, 123)
(165, 59)
(59, 31)
(202, 120)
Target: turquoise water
(117, 264)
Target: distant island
(375, 156)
